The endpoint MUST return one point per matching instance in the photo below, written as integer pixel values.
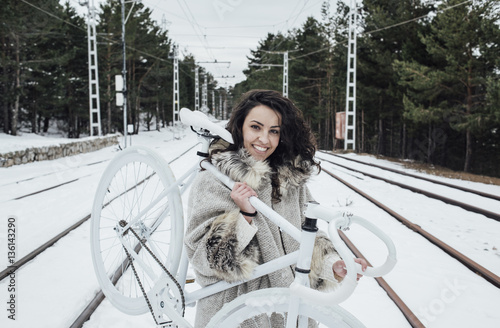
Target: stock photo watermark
(11, 226)
(224, 6)
(64, 166)
(450, 292)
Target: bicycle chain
(179, 288)
(140, 285)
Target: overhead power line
(102, 37)
(386, 28)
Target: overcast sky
(226, 30)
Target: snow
(55, 287)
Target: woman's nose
(264, 137)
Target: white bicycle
(137, 231)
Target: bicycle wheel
(269, 308)
(133, 193)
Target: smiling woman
(272, 157)
(261, 132)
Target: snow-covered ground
(54, 288)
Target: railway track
(466, 206)
(411, 317)
(33, 254)
(469, 263)
(50, 173)
(406, 311)
(451, 185)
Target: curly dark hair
(296, 138)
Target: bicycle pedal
(167, 324)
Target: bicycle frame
(301, 258)
(261, 270)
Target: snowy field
(54, 288)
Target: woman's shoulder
(296, 173)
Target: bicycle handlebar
(337, 221)
(200, 120)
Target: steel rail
(51, 173)
(409, 315)
(40, 249)
(466, 261)
(468, 207)
(18, 264)
(451, 185)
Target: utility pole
(176, 105)
(204, 94)
(124, 70)
(350, 105)
(94, 101)
(213, 103)
(205, 85)
(124, 75)
(197, 83)
(285, 74)
(196, 88)
(221, 114)
(285, 67)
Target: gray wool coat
(221, 245)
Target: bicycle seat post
(205, 144)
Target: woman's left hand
(340, 270)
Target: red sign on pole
(340, 125)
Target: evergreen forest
(427, 77)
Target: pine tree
(336, 32)
(383, 41)
(309, 71)
(463, 46)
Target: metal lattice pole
(285, 67)
(213, 103)
(196, 88)
(221, 115)
(285, 74)
(94, 101)
(124, 74)
(204, 94)
(350, 107)
(176, 105)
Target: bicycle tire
(130, 183)
(268, 307)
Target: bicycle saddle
(198, 119)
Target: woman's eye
(275, 132)
(255, 127)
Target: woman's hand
(340, 270)
(240, 194)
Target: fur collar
(241, 166)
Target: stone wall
(52, 152)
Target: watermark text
(11, 259)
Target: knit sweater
(222, 245)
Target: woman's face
(261, 132)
